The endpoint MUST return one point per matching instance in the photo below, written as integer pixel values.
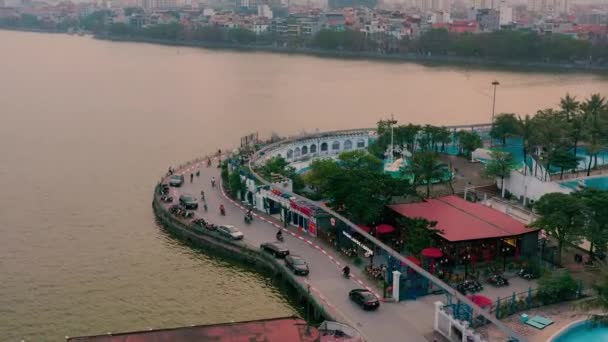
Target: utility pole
(392, 123)
(494, 83)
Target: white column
(396, 277)
(438, 306)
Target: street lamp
(465, 260)
(504, 251)
(495, 84)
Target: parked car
(297, 265)
(231, 232)
(176, 180)
(188, 201)
(364, 298)
(201, 222)
(275, 248)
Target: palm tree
(444, 136)
(426, 167)
(595, 111)
(569, 106)
(526, 131)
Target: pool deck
(562, 315)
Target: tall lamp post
(495, 84)
(504, 251)
(465, 260)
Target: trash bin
(523, 318)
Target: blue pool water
(600, 183)
(583, 332)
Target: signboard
(358, 243)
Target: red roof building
(292, 329)
(466, 223)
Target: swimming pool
(583, 332)
(600, 183)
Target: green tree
(551, 134)
(278, 165)
(469, 141)
(556, 286)
(362, 194)
(321, 170)
(598, 302)
(500, 166)
(527, 133)
(569, 106)
(426, 168)
(596, 223)
(505, 125)
(562, 216)
(565, 160)
(236, 185)
(359, 159)
(419, 234)
(595, 110)
(443, 136)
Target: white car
(231, 232)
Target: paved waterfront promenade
(404, 321)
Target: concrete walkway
(403, 322)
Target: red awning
(481, 301)
(432, 252)
(384, 229)
(365, 228)
(414, 260)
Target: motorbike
(346, 273)
(280, 237)
(166, 199)
(471, 286)
(248, 218)
(526, 274)
(222, 211)
(498, 280)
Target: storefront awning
(432, 252)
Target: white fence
(453, 329)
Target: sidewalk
(403, 322)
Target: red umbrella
(431, 252)
(481, 301)
(414, 260)
(365, 228)
(384, 229)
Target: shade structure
(384, 229)
(365, 228)
(432, 252)
(414, 260)
(481, 301)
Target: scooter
(222, 211)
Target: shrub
(556, 287)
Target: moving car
(364, 298)
(176, 180)
(188, 201)
(297, 265)
(275, 248)
(231, 232)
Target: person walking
(213, 182)
(198, 173)
(191, 177)
(202, 195)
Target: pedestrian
(198, 173)
(205, 206)
(191, 177)
(213, 182)
(202, 195)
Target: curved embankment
(244, 254)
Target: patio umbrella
(414, 260)
(365, 228)
(433, 253)
(481, 301)
(384, 229)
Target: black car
(275, 248)
(201, 222)
(297, 264)
(176, 180)
(188, 201)
(364, 298)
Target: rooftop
(461, 220)
(292, 329)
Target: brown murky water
(87, 126)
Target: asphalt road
(404, 321)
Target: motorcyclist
(346, 271)
(202, 195)
(249, 214)
(280, 235)
(222, 209)
(213, 182)
(205, 206)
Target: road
(404, 322)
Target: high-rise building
(549, 6)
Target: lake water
(87, 127)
